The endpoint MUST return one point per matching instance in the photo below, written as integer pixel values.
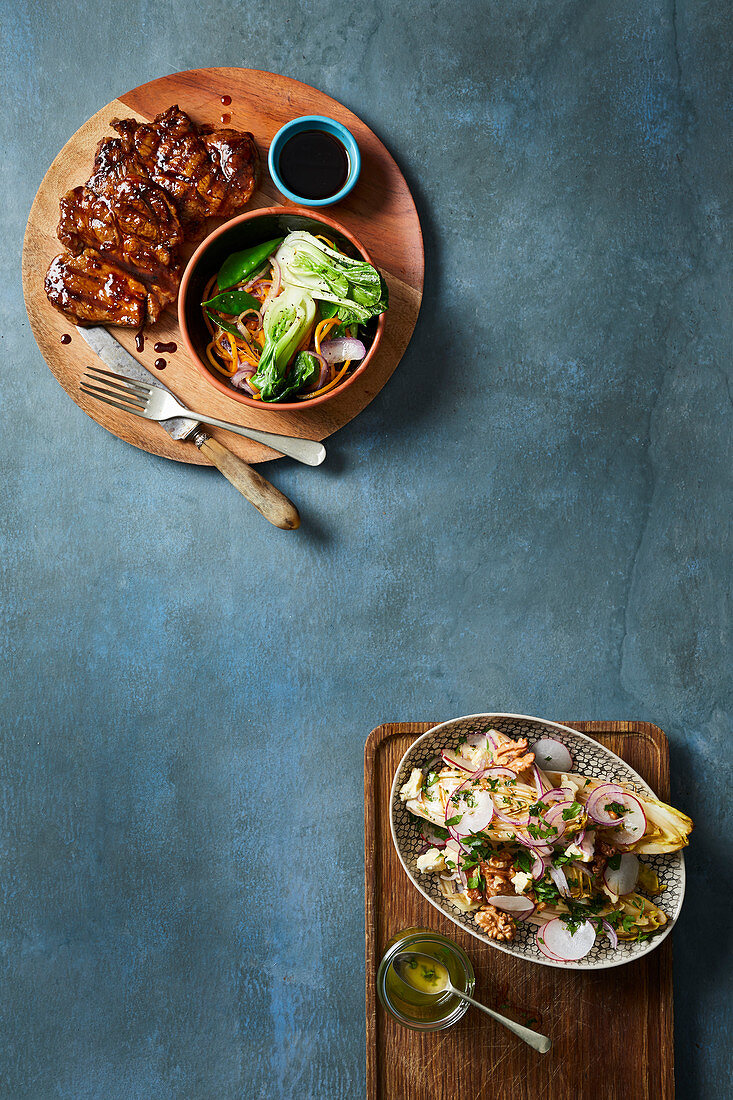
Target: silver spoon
(441, 983)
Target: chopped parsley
(614, 862)
(454, 820)
(616, 808)
(523, 861)
(571, 811)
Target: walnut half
(496, 924)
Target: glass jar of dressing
(423, 1011)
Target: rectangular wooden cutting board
(611, 1029)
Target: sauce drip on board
(313, 164)
(160, 364)
(225, 119)
(140, 340)
(169, 348)
(226, 100)
(66, 339)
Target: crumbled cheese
(521, 881)
(577, 852)
(412, 787)
(432, 860)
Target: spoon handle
(532, 1038)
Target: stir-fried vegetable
(354, 286)
(285, 324)
(284, 317)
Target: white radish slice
(566, 945)
(540, 938)
(540, 864)
(632, 825)
(552, 755)
(474, 818)
(432, 837)
(454, 760)
(599, 798)
(518, 907)
(623, 879)
(477, 739)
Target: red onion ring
(276, 284)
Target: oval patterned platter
(591, 759)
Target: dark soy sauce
(140, 340)
(226, 100)
(170, 348)
(313, 164)
(66, 339)
(225, 119)
(160, 364)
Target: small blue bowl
(314, 122)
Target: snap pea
(226, 325)
(239, 265)
(233, 302)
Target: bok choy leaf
(354, 286)
(285, 325)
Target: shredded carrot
(334, 382)
(322, 328)
(326, 240)
(216, 363)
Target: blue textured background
(533, 515)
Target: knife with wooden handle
(268, 500)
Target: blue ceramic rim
(315, 122)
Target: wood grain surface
(611, 1030)
(379, 211)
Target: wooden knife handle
(268, 500)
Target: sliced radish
(540, 938)
(497, 772)
(477, 739)
(552, 755)
(623, 879)
(474, 817)
(633, 824)
(566, 945)
(517, 906)
(454, 760)
(432, 837)
(599, 799)
(555, 820)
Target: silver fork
(139, 398)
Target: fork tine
(105, 395)
(133, 383)
(112, 389)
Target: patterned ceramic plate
(590, 758)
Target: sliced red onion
(276, 284)
(248, 313)
(539, 781)
(241, 377)
(622, 879)
(554, 818)
(599, 799)
(342, 348)
(540, 864)
(432, 764)
(321, 382)
(551, 755)
(518, 906)
(633, 824)
(424, 848)
(558, 877)
(610, 932)
(566, 945)
(558, 794)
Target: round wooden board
(379, 211)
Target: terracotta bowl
(233, 236)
